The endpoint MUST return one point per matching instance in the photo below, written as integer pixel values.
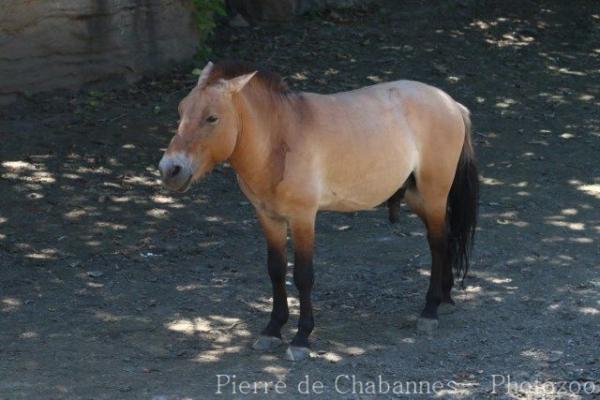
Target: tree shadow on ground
(111, 287)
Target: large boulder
(65, 43)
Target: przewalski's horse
(298, 153)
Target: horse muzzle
(176, 172)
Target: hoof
(427, 326)
(295, 353)
(267, 343)
(446, 308)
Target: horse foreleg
(303, 233)
(276, 237)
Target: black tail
(463, 202)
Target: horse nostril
(175, 171)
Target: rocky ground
(111, 288)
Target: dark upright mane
(273, 89)
(268, 80)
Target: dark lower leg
(437, 245)
(277, 265)
(394, 203)
(276, 236)
(447, 283)
(303, 279)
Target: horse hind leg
(395, 201)
(393, 204)
(447, 305)
(431, 206)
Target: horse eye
(212, 119)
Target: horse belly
(368, 154)
(365, 189)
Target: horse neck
(260, 134)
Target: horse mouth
(186, 185)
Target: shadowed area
(111, 287)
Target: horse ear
(205, 74)
(236, 84)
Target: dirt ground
(111, 288)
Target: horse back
(361, 146)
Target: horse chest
(257, 199)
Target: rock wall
(46, 44)
(284, 10)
